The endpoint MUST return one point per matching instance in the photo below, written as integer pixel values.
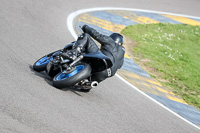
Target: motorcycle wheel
(81, 71)
(41, 64)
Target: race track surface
(29, 102)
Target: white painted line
(70, 20)
(157, 102)
(71, 17)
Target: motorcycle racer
(111, 46)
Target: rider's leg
(85, 41)
(91, 45)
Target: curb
(108, 20)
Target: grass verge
(172, 55)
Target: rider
(111, 46)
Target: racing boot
(77, 48)
(70, 54)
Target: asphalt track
(28, 102)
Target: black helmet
(117, 38)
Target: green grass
(173, 50)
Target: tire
(41, 64)
(82, 71)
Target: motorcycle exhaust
(90, 84)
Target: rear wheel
(81, 71)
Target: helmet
(117, 38)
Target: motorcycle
(73, 73)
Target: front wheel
(81, 71)
(41, 64)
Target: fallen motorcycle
(73, 73)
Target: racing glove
(83, 28)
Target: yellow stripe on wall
(132, 16)
(107, 25)
(183, 20)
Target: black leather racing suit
(108, 47)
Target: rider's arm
(103, 39)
